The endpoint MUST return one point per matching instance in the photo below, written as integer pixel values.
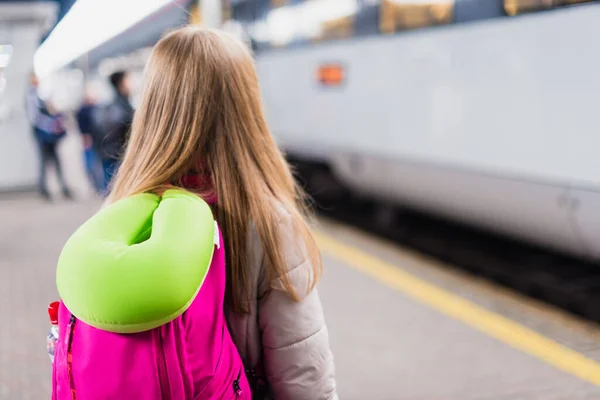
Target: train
(479, 111)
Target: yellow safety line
(494, 325)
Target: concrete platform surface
(387, 345)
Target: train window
(396, 15)
(514, 7)
(338, 28)
(367, 19)
(301, 22)
(475, 10)
(278, 3)
(243, 12)
(226, 10)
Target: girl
(200, 126)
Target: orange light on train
(331, 74)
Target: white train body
(495, 123)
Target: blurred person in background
(115, 124)
(87, 120)
(48, 129)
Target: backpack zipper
(257, 383)
(236, 385)
(70, 332)
(165, 388)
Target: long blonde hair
(200, 112)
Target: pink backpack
(191, 357)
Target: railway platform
(402, 326)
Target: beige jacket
(289, 339)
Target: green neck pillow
(138, 263)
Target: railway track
(554, 278)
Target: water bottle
(53, 334)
